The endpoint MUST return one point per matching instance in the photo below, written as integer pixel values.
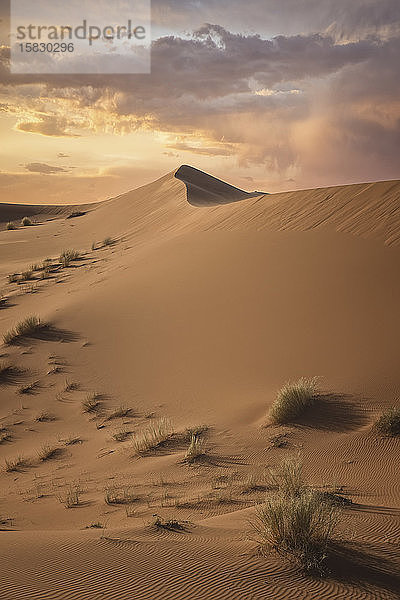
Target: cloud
(223, 150)
(49, 125)
(44, 168)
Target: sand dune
(206, 300)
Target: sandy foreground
(204, 304)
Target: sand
(206, 302)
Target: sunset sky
(268, 94)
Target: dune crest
(206, 190)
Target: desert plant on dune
(389, 422)
(196, 449)
(292, 399)
(26, 222)
(71, 497)
(197, 430)
(120, 435)
(120, 412)
(288, 477)
(76, 213)
(26, 275)
(120, 495)
(5, 435)
(44, 417)
(11, 226)
(28, 388)
(71, 386)
(153, 437)
(15, 464)
(25, 328)
(298, 528)
(297, 522)
(48, 451)
(67, 256)
(91, 403)
(168, 524)
(96, 524)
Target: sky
(269, 95)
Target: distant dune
(194, 301)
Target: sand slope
(207, 302)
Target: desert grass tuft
(44, 417)
(16, 464)
(70, 386)
(288, 477)
(153, 437)
(96, 524)
(292, 399)
(48, 451)
(196, 450)
(11, 226)
(25, 328)
(76, 213)
(26, 222)
(71, 440)
(296, 522)
(67, 256)
(120, 495)
(5, 435)
(28, 388)
(388, 423)
(121, 435)
(71, 497)
(168, 524)
(91, 403)
(27, 275)
(120, 412)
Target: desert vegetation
(68, 256)
(196, 449)
(118, 413)
(44, 417)
(70, 498)
(26, 222)
(91, 403)
(296, 522)
(169, 524)
(11, 226)
(388, 424)
(25, 328)
(48, 451)
(153, 437)
(293, 399)
(120, 495)
(16, 464)
(121, 435)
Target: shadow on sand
(361, 565)
(334, 412)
